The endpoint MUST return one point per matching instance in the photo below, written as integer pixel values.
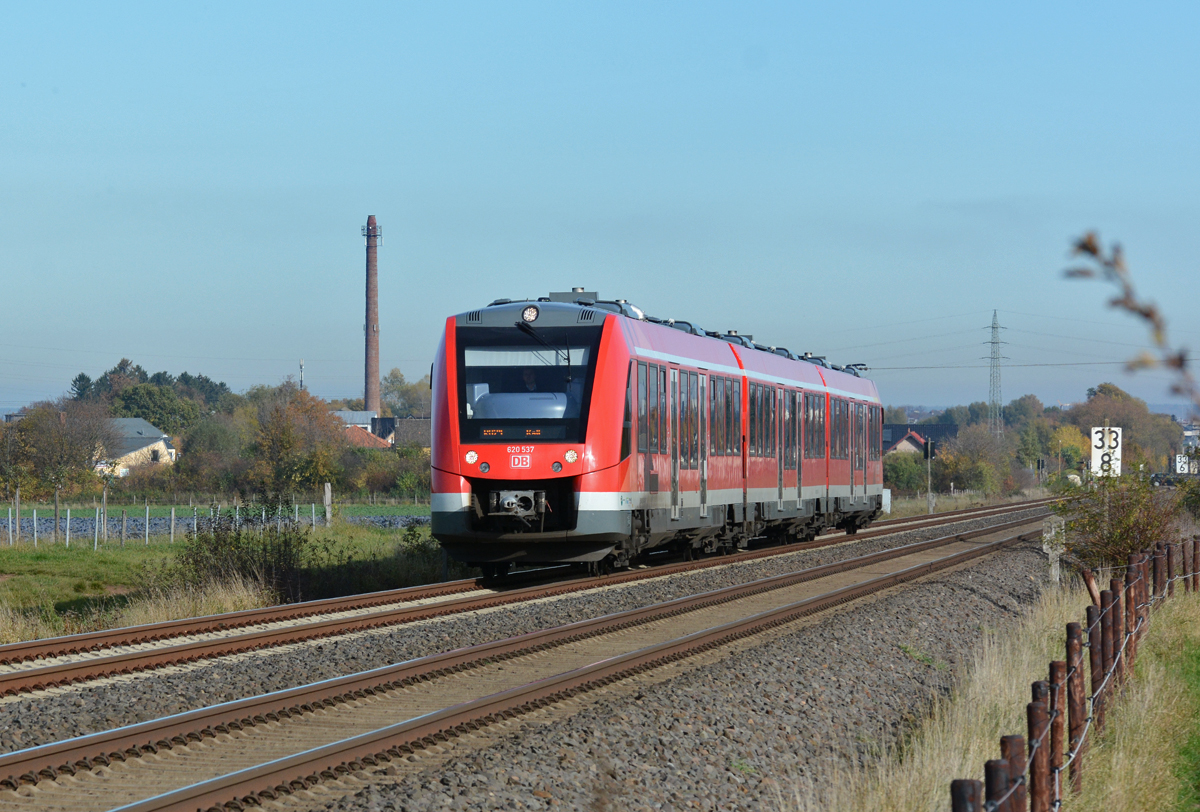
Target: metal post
(314, 515)
(1012, 750)
(966, 795)
(10, 535)
(18, 501)
(1039, 764)
(35, 527)
(146, 526)
(68, 537)
(172, 524)
(124, 527)
(1076, 702)
(96, 532)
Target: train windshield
(514, 386)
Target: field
(905, 508)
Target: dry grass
(911, 506)
(1136, 763)
(151, 606)
(963, 731)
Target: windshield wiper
(527, 328)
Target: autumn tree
(297, 441)
(405, 399)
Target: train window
(712, 416)
(664, 439)
(772, 431)
(655, 418)
(716, 424)
(683, 419)
(752, 419)
(737, 419)
(876, 433)
(694, 416)
(627, 423)
(789, 430)
(641, 416)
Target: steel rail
(47, 761)
(297, 772)
(59, 674)
(46, 648)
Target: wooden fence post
(995, 777)
(1106, 633)
(1039, 756)
(1160, 571)
(1118, 627)
(966, 795)
(1196, 563)
(1076, 702)
(1186, 565)
(1095, 661)
(124, 528)
(1012, 750)
(1058, 712)
(1171, 569)
(1131, 604)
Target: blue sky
(184, 186)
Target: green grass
(340, 560)
(1188, 767)
(88, 511)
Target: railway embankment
(743, 729)
(106, 703)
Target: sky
(184, 184)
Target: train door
(673, 410)
(701, 412)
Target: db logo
(521, 461)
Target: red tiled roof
(358, 436)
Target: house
(910, 443)
(355, 418)
(361, 438)
(411, 431)
(137, 443)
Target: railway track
(38, 665)
(263, 747)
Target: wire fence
(1064, 712)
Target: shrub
(1115, 516)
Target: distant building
(413, 431)
(13, 418)
(909, 443)
(352, 418)
(361, 438)
(384, 427)
(895, 433)
(137, 443)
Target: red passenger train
(570, 429)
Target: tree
(895, 414)
(1022, 410)
(406, 399)
(1069, 444)
(65, 440)
(1157, 436)
(81, 387)
(297, 442)
(158, 405)
(903, 471)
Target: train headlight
(472, 457)
(530, 313)
(557, 466)
(484, 467)
(571, 456)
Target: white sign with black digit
(1106, 451)
(1181, 464)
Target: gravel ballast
(746, 732)
(30, 720)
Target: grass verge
(909, 507)
(962, 731)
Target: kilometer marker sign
(1106, 451)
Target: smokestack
(374, 237)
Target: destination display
(523, 433)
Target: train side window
(664, 438)
(655, 419)
(752, 419)
(712, 416)
(769, 400)
(731, 425)
(627, 423)
(737, 418)
(694, 415)
(642, 423)
(685, 420)
(716, 428)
